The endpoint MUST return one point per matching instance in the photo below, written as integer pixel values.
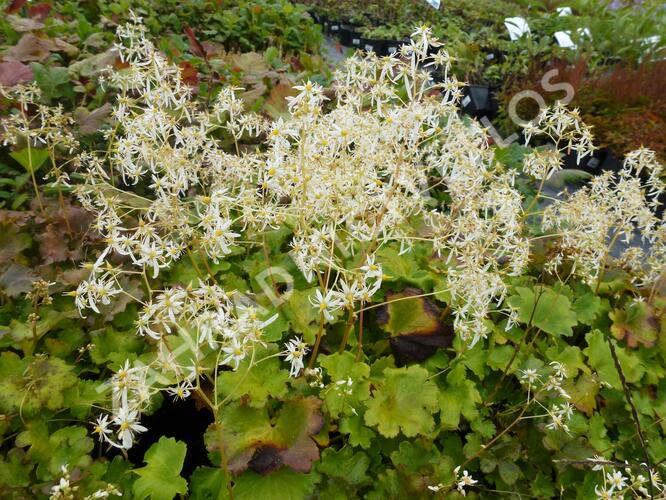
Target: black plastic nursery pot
(315, 17)
(356, 39)
(601, 160)
(372, 45)
(494, 56)
(478, 101)
(392, 46)
(324, 21)
(333, 27)
(348, 34)
(381, 47)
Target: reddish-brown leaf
(40, 11)
(14, 6)
(16, 280)
(13, 72)
(29, 48)
(189, 73)
(53, 245)
(195, 46)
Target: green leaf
(208, 483)
(245, 430)
(548, 310)
(413, 316)
(509, 472)
(15, 469)
(359, 434)
(511, 156)
(636, 324)
(160, 478)
(500, 356)
(53, 81)
(405, 400)
(460, 397)
(417, 457)
(404, 268)
(265, 380)
(33, 384)
(342, 398)
(283, 484)
(302, 316)
(30, 158)
(344, 464)
(599, 433)
(69, 446)
(600, 359)
(587, 306)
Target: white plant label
(434, 3)
(369, 48)
(466, 100)
(564, 11)
(517, 27)
(356, 41)
(652, 40)
(564, 40)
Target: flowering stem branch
(536, 197)
(634, 413)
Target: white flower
(603, 493)
(530, 376)
(371, 269)
(296, 351)
(126, 420)
(101, 428)
(348, 294)
(464, 480)
(235, 353)
(181, 391)
(616, 480)
(326, 303)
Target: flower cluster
(461, 481)
(345, 173)
(66, 490)
(619, 481)
(558, 413)
(613, 209)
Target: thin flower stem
(348, 326)
(315, 349)
(359, 347)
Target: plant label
(564, 40)
(356, 41)
(652, 40)
(517, 27)
(434, 3)
(369, 48)
(564, 11)
(466, 101)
